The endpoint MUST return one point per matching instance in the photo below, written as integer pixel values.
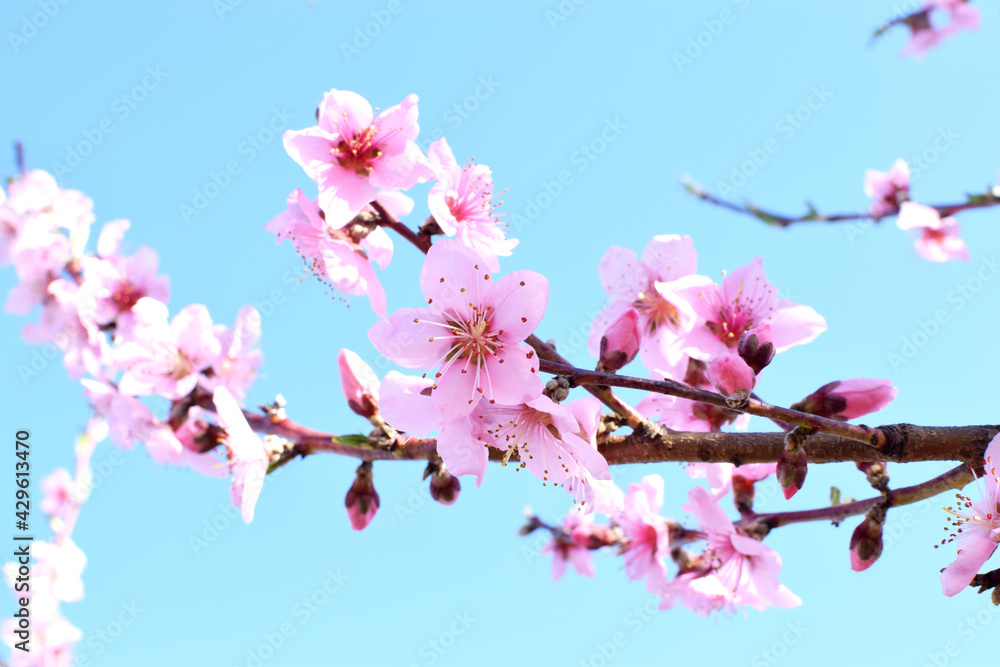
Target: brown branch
(955, 478)
(781, 220)
(911, 443)
(578, 376)
(386, 219)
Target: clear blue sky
(460, 575)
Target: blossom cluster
(150, 377)
(939, 238)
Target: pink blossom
(129, 421)
(248, 457)
(653, 286)
(745, 300)
(165, 358)
(647, 533)
(848, 399)
(732, 378)
(236, 366)
(553, 441)
(362, 499)
(85, 349)
(976, 526)
(472, 330)
(887, 189)
(569, 545)
(359, 383)
(939, 238)
(352, 155)
(461, 203)
(60, 493)
(405, 403)
(620, 343)
(720, 475)
(112, 284)
(747, 569)
(331, 253)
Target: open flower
(352, 155)
(461, 203)
(471, 331)
(331, 253)
(976, 526)
(939, 238)
(745, 300)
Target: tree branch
(990, 198)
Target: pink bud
(732, 377)
(620, 342)
(445, 487)
(362, 498)
(791, 470)
(360, 384)
(756, 347)
(866, 540)
(864, 396)
(848, 399)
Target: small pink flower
(352, 155)
(569, 545)
(887, 189)
(248, 457)
(647, 533)
(331, 253)
(732, 377)
(652, 286)
(745, 300)
(747, 570)
(471, 331)
(129, 421)
(165, 358)
(939, 238)
(85, 349)
(60, 494)
(461, 203)
(359, 382)
(976, 526)
(620, 343)
(553, 441)
(236, 366)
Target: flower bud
(444, 486)
(756, 348)
(848, 399)
(793, 462)
(362, 498)
(620, 343)
(733, 378)
(360, 384)
(866, 541)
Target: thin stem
(386, 219)
(861, 433)
(987, 200)
(548, 357)
(955, 478)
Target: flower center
(359, 152)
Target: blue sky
(172, 96)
